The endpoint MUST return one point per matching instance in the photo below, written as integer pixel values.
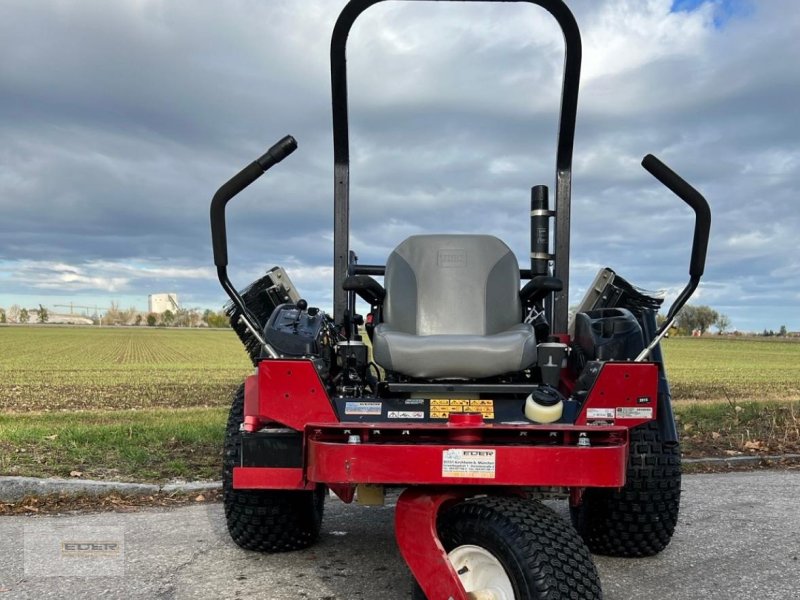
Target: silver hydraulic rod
(646, 352)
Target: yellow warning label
(441, 408)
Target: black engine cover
(293, 332)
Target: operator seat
(452, 310)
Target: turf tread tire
(266, 520)
(639, 519)
(542, 554)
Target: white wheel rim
(481, 573)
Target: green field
(731, 368)
(72, 368)
(69, 368)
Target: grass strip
(736, 428)
(130, 445)
(158, 445)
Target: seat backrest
(452, 284)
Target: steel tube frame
(566, 136)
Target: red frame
(290, 392)
(413, 455)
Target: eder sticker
(406, 414)
(634, 412)
(362, 408)
(473, 463)
(599, 413)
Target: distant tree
(24, 317)
(114, 315)
(3, 315)
(13, 313)
(217, 319)
(151, 320)
(722, 323)
(128, 317)
(181, 318)
(660, 319)
(694, 317)
(782, 331)
(43, 315)
(139, 319)
(167, 317)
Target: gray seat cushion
(455, 356)
(452, 309)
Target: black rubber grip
(278, 152)
(684, 191)
(219, 238)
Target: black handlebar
(219, 238)
(684, 191)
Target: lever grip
(278, 152)
(219, 237)
(684, 191)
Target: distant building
(159, 303)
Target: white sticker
(478, 464)
(634, 412)
(600, 413)
(406, 414)
(362, 408)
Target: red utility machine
(475, 394)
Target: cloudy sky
(118, 121)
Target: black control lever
(684, 191)
(219, 239)
(702, 230)
(236, 184)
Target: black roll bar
(566, 136)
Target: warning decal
(441, 408)
(634, 412)
(475, 463)
(406, 414)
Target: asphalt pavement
(738, 537)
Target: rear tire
(639, 519)
(266, 520)
(542, 556)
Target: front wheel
(506, 548)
